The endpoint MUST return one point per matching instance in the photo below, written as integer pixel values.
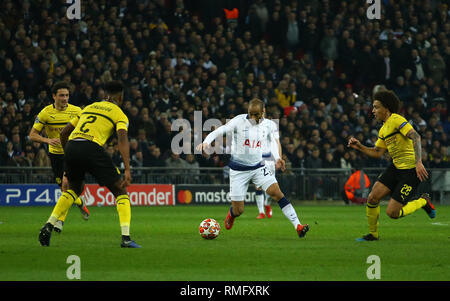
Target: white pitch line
(439, 224)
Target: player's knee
(274, 192)
(392, 213)
(117, 188)
(373, 199)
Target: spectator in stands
(314, 162)
(199, 61)
(41, 159)
(193, 169)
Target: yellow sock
(412, 206)
(62, 206)
(63, 216)
(78, 202)
(124, 210)
(373, 215)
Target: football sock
(373, 215)
(63, 216)
(289, 211)
(260, 200)
(231, 212)
(412, 206)
(124, 210)
(266, 199)
(62, 206)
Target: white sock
(291, 215)
(125, 230)
(266, 199)
(260, 202)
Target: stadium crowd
(314, 64)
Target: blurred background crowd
(313, 62)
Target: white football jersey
(267, 151)
(248, 140)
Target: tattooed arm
(422, 173)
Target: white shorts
(270, 164)
(239, 180)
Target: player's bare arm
(124, 149)
(422, 173)
(374, 152)
(280, 163)
(65, 133)
(35, 136)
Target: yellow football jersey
(98, 121)
(392, 136)
(54, 121)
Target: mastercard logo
(184, 197)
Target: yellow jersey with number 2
(98, 121)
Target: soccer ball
(209, 228)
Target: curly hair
(389, 100)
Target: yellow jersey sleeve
(403, 125)
(122, 122)
(40, 121)
(74, 121)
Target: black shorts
(57, 162)
(86, 156)
(403, 183)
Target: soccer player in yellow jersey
(401, 179)
(53, 118)
(83, 139)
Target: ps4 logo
(74, 10)
(374, 9)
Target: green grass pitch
(412, 248)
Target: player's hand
(202, 147)
(127, 179)
(280, 164)
(54, 141)
(354, 143)
(422, 173)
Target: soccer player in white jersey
(248, 134)
(262, 198)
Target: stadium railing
(296, 183)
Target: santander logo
(140, 195)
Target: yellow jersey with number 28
(392, 136)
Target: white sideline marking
(439, 224)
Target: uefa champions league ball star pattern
(209, 228)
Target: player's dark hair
(60, 85)
(113, 87)
(388, 99)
